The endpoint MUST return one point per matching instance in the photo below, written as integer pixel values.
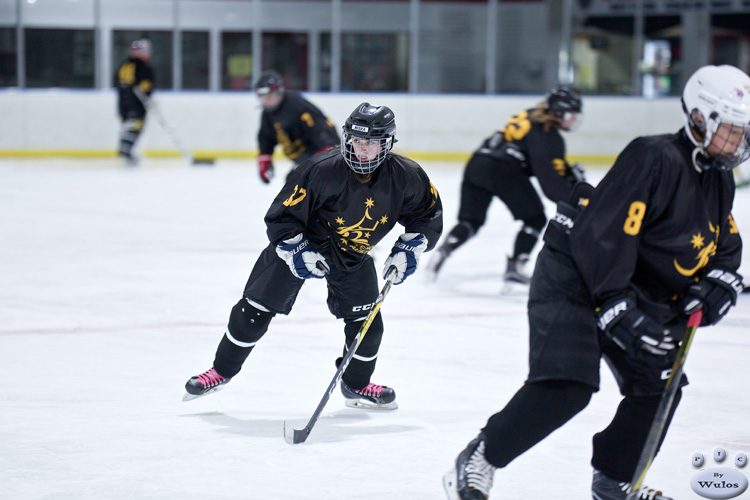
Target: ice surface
(115, 287)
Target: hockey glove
(716, 292)
(405, 256)
(303, 261)
(265, 168)
(632, 330)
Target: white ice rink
(116, 285)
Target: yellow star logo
(697, 241)
(367, 235)
(384, 219)
(339, 221)
(369, 203)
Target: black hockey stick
(665, 407)
(297, 436)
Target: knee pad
(368, 348)
(247, 324)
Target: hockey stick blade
(665, 407)
(294, 436)
(297, 436)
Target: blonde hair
(541, 115)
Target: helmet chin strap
(701, 161)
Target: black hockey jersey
(133, 73)
(345, 218)
(298, 126)
(654, 224)
(541, 153)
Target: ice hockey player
(333, 209)
(529, 145)
(292, 121)
(655, 243)
(135, 83)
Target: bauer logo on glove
(302, 259)
(405, 256)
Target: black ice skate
(513, 272)
(605, 488)
(373, 396)
(204, 384)
(471, 477)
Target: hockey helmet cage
(562, 99)
(269, 81)
(367, 122)
(141, 49)
(714, 95)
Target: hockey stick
(150, 105)
(665, 407)
(297, 436)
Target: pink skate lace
(371, 390)
(210, 378)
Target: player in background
(655, 242)
(333, 209)
(135, 82)
(529, 145)
(292, 121)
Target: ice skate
(435, 263)
(373, 396)
(605, 488)
(204, 384)
(513, 272)
(129, 159)
(471, 477)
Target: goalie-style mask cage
(716, 95)
(269, 81)
(370, 129)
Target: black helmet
(563, 99)
(370, 123)
(269, 81)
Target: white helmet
(712, 96)
(141, 49)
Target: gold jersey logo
(705, 252)
(357, 236)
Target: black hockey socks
(129, 133)
(247, 324)
(459, 235)
(535, 411)
(618, 447)
(527, 237)
(362, 365)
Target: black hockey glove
(633, 331)
(716, 292)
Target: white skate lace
(644, 493)
(479, 472)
